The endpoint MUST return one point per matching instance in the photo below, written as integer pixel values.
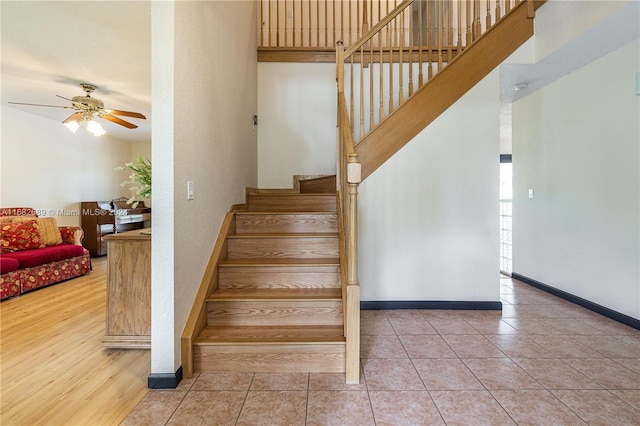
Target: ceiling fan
(86, 108)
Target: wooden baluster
(440, 18)
(371, 61)
(420, 76)
(430, 43)
(410, 32)
(261, 42)
(477, 31)
(380, 46)
(333, 15)
(277, 23)
(350, 32)
(358, 20)
(488, 23)
(286, 20)
(309, 24)
(459, 27)
(379, 19)
(318, 23)
(498, 10)
(293, 22)
(365, 23)
(351, 95)
(469, 37)
(450, 31)
(326, 24)
(507, 6)
(400, 61)
(361, 92)
(270, 30)
(341, 20)
(391, 43)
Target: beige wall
(576, 142)
(46, 167)
(428, 217)
(209, 141)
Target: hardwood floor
(54, 369)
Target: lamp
(93, 127)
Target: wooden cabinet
(128, 290)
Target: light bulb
(72, 125)
(95, 128)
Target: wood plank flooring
(54, 370)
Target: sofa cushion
(48, 227)
(16, 236)
(8, 265)
(31, 258)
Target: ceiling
(617, 30)
(50, 47)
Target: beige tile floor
(542, 360)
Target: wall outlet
(189, 190)
(530, 193)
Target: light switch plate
(530, 193)
(189, 190)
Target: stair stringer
(445, 88)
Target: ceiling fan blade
(66, 99)
(77, 116)
(125, 113)
(50, 106)
(119, 121)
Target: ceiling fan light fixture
(95, 128)
(73, 126)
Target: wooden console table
(128, 290)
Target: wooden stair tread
(248, 212)
(276, 294)
(280, 262)
(229, 335)
(281, 235)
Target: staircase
(278, 302)
(281, 289)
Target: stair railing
(406, 49)
(317, 23)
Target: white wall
(428, 217)
(296, 122)
(211, 142)
(45, 166)
(576, 143)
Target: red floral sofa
(35, 252)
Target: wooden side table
(128, 290)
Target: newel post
(354, 177)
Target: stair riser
(279, 277)
(283, 248)
(274, 313)
(283, 224)
(270, 358)
(291, 203)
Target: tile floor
(542, 360)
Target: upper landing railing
(322, 23)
